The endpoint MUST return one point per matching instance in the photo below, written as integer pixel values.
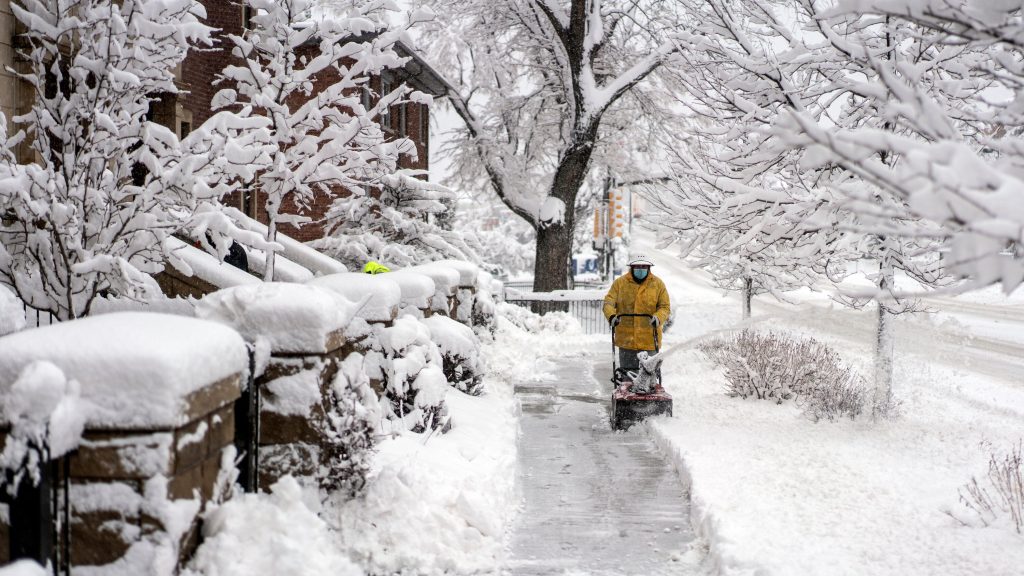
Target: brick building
(195, 78)
(201, 67)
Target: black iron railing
(586, 311)
(36, 318)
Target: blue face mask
(639, 274)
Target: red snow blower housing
(638, 392)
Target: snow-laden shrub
(484, 310)
(769, 365)
(460, 353)
(842, 394)
(408, 365)
(350, 428)
(999, 496)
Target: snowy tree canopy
(543, 87)
(109, 186)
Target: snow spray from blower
(650, 364)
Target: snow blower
(638, 393)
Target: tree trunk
(884, 341)
(554, 240)
(748, 296)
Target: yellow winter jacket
(627, 296)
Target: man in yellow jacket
(636, 292)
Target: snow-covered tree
(396, 226)
(750, 71)
(546, 87)
(953, 111)
(108, 186)
(305, 106)
(755, 240)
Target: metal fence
(36, 318)
(587, 312)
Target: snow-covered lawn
(774, 493)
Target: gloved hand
(614, 321)
(654, 321)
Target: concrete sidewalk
(594, 501)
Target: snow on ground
(774, 493)
(434, 503)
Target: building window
(385, 114)
(247, 14)
(403, 121)
(248, 206)
(424, 122)
(184, 129)
(367, 98)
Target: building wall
(8, 82)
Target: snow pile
(161, 304)
(12, 312)
(191, 261)
(417, 289)
(385, 296)
(484, 307)
(446, 282)
(439, 504)
(460, 351)
(136, 369)
(296, 252)
(279, 533)
(289, 317)
(45, 412)
(24, 568)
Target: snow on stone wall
(136, 369)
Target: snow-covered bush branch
(397, 225)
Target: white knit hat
(640, 261)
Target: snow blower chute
(638, 391)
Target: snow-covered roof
(385, 295)
(446, 278)
(468, 272)
(136, 370)
(309, 258)
(284, 269)
(417, 288)
(192, 261)
(291, 318)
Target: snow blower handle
(616, 319)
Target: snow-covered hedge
(460, 352)
(408, 366)
(779, 367)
